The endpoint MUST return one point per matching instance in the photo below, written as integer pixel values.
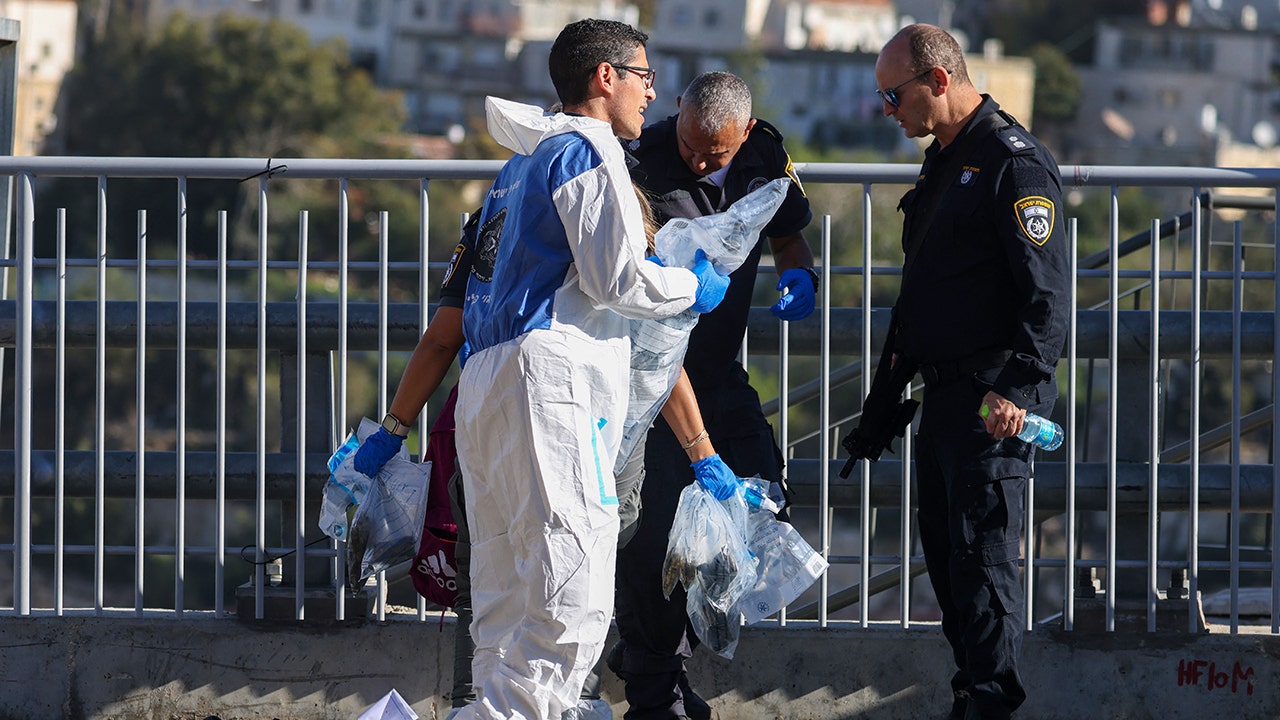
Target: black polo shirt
(677, 192)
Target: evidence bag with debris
(736, 560)
(658, 345)
(389, 509)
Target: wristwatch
(392, 424)
(817, 279)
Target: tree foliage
(229, 87)
(1058, 85)
(226, 87)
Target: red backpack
(435, 570)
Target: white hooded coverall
(559, 268)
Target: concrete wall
(196, 669)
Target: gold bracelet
(696, 439)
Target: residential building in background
(810, 63)
(1175, 95)
(46, 52)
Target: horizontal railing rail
(1135, 447)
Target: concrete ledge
(99, 668)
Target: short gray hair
(717, 99)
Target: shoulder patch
(795, 179)
(1035, 216)
(1016, 139)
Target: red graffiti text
(1191, 672)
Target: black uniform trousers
(971, 495)
(656, 635)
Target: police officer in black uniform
(982, 314)
(692, 164)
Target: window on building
(420, 10)
(711, 19)
(306, 7)
(367, 13)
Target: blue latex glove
(797, 304)
(375, 451)
(715, 477)
(711, 284)
(655, 260)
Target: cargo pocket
(993, 520)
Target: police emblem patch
(1035, 217)
(756, 184)
(968, 174)
(458, 251)
(487, 242)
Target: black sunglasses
(891, 95)
(647, 73)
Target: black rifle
(884, 413)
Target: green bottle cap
(985, 411)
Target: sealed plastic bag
(717, 629)
(388, 520)
(341, 495)
(658, 345)
(726, 237)
(787, 565)
(707, 553)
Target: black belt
(944, 371)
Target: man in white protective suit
(559, 268)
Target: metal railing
(167, 487)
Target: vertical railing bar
(6, 216)
(1029, 572)
(824, 418)
(22, 398)
(1153, 413)
(864, 517)
(60, 424)
(139, 513)
(905, 511)
(1237, 306)
(1197, 369)
(381, 582)
(908, 448)
(300, 511)
(1113, 384)
(100, 409)
(220, 431)
(340, 404)
(824, 415)
(1275, 420)
(784, 410)
(1069, 604)
(424, 319)
(424, 295)
(180, 481)
(260, 493)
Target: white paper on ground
(390, 707)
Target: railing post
(9, 32)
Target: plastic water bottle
(756, 492)
(1036, 430)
